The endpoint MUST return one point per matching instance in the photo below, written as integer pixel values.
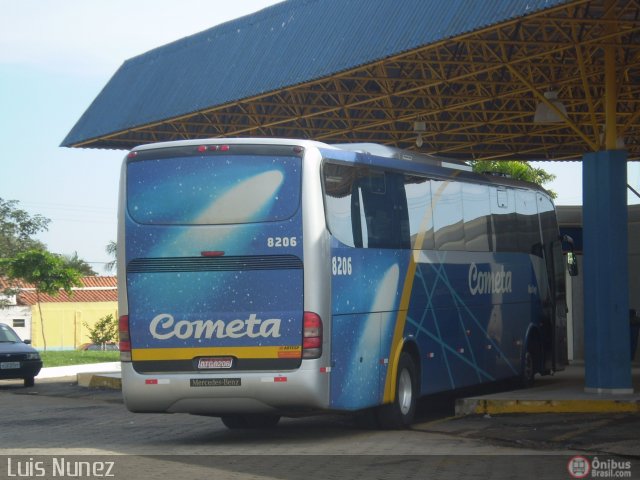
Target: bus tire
(234, 422)
(528, 373)
(399, 414)
(261, 421)
(255, 421)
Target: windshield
(8, 335)
(213, 190)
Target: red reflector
(312, 320)
(132, 155)
(280, 379)
(123, 331)
(202, 148)
(224, 148)
(213, 253)
(123, 323)
(311, 335)
(312, 342)
(151, 381)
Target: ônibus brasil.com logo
(579, 467)
(582, 467)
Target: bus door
(559, 291)
(555, 324)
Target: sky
(55, 57)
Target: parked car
(108, 347)
(18, 359)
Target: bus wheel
(400, 413)
(527, 376)
(256, 421)
(234, 422)
(262, 421)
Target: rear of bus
(211, 271)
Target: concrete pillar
(606, 279)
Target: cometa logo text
(487, 282)
(165, 327)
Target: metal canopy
(475, 92)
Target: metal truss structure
(476, 93)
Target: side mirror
(28, 342)
(572, 259)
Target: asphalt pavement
(556, 414)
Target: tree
(80, 265)
(104, 331)
(47, 272)
(516, 169)
(17, 229)
(111, 249)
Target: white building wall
(14, 315)
(572, 217)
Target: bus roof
(372, 154)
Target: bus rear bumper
(299, 391)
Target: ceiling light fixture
(419, 126)
(546, 114)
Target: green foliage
(47, 272)
(17, 228)
(515, 169)
(111, 249)
(77, 357)
(104, 331)
(80, 265)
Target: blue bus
(262, 278)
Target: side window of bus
(550, 237)
(476, 205)
(547, 220)
(418, 193)
(528, 225)
(339, 185)
(503, 220)
(385, 209)
(366, 208)
(447, 215)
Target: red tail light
(312, 335)
(125, 339)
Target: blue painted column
(606, 278)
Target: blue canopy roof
(290, 43)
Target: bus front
(213, 318)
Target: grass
(77, 357)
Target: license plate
(214, 363)
(9, 365)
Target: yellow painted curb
(92, 380)
(496, 407)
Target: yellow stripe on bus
(401, 319)
(147, 354)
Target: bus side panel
(469, 314)
(366, 290)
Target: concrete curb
(111, 381)
(478, 406)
